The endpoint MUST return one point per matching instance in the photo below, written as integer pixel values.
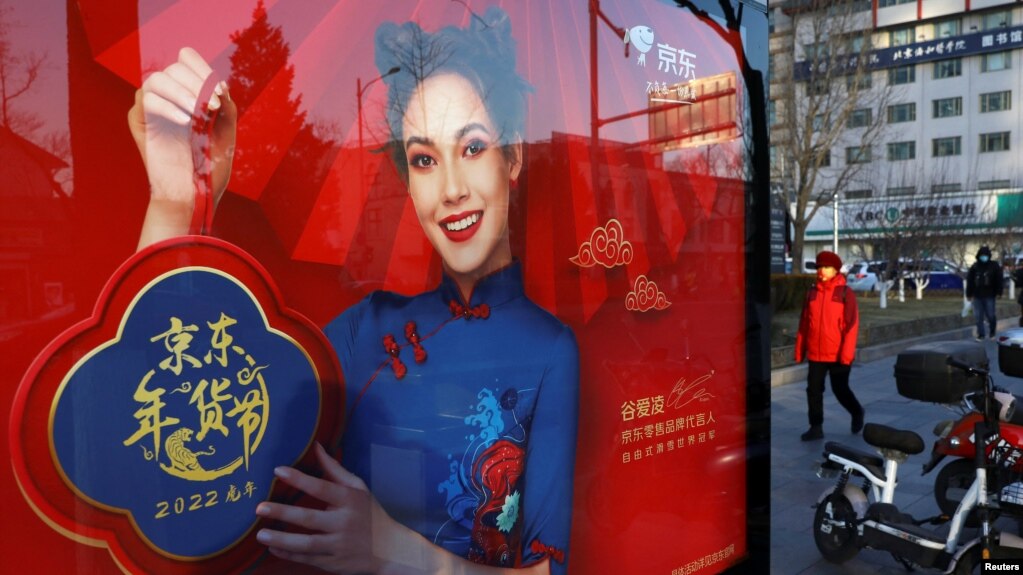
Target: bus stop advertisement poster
(520, 323)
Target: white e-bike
(850, 517)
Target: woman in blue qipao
(459, 440)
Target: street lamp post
(359, 91)
(834, 212)
(595, 121)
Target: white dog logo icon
(642, 37)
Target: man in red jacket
(827, 338)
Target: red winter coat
(829, 324)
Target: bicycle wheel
(834, 529)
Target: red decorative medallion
(153, 427)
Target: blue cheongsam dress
(462, 417)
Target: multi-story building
(946, 157)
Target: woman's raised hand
(168, 123)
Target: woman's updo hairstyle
(483, 54)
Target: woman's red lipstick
(461, 226)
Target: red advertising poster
(375, 287)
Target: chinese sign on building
(929, 50)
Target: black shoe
(857, 421)
(815, 432)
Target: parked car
(943, 275)
(864, 276)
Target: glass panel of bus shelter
(505, 261)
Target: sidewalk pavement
(794, 485)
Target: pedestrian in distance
(1017, 277)
(983, 285)
(828, 328)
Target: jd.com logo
(669, 59)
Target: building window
(898, 151)
(994, 142)
(854, 44)
(902, 113)
(993, 184)
(948, 68)
(858, 194)
(816, 52)
(902, 75)
(902, 36)
(996, 20)
(861, 82)
(901, 190)
(825, 159)
(947, 188)
(857, 155)
(862, 5)
(995, 101)
(887, 3)
(820, 123)
(770, 21)
(819, 87)
(772, 113)
(770, 68)
(860, 118)
(946, 107)
(946, 146)
(996, 61)
(948, 28)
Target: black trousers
(839, 384)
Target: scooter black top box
(922, 371)
(1010, 352)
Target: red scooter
(955, 440)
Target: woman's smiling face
(459, 177)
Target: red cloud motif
(607, 246)
(645, 296)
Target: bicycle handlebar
(966, 367)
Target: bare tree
(977, 217)
(961, 248)
(19, 72)
(829, 121)
(888, 226)
(20, 75)
(909, 231)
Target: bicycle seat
(886, 437)
(872, 462)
